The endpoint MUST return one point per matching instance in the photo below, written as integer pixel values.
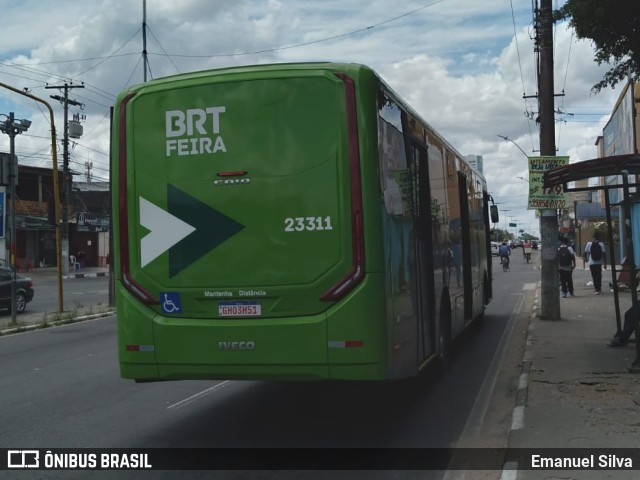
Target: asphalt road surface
(61, 389)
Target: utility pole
(66, 195)
(12, 128)
(504, 234)
(56, 190)
(549, 299)
(88, 166)
(145, 63)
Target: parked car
(24, 290)
(494, 249)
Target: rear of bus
(241, 233)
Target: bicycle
(505, 263)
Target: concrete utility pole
(549, 299)
(65, 170)
(12, 128)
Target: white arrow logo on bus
(188, 229)
(165, 230)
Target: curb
(86, 275)
(56, 323)
(510, 469)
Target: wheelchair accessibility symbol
(170, 302)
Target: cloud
(458, 63)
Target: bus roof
(297, 66)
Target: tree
(613, 26)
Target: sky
(464, 65)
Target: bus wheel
(444, 333)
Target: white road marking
(193, 398)
(517, 421)
(481, 404)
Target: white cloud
(456, 62)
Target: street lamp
(12, 127)
(509, 140)
(505, 223)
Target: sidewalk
(81, 273)
(579, 392)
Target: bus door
(465, 222)
(425, 301)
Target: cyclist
(526, 250)
(504, 251)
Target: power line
(76, 60)
(515, 37)
(162, 48)
(109, 56)
(311, 42)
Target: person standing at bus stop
(566, 263)
(594, 252)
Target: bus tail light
(238, 173)
(345, 343)
(356, 274)
(138, 291)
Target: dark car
(24, 290)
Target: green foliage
(612, 26)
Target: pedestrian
(594, 252)
(566, 263)
(80, 257)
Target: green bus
(290, 221)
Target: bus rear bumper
(165, 372)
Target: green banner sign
(550, 198)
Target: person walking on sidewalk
(594, 252)
(566, 264)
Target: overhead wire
(311, 42)
(109, 56)
(162, 48)
(28, 68)
(515, 36)
(76, 60)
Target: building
(476, 162)
(89, 223)
(89, 214)
(35, 231)
(620, 136)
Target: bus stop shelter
(621, 166)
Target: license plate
(239, 309)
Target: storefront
(89, 239)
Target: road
(78, 293)
(61, 388)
